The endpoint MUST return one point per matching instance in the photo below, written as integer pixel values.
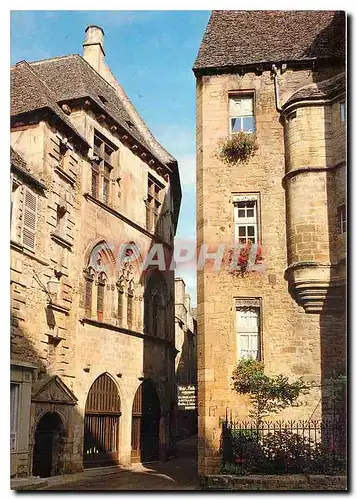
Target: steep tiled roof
(17, 160)
(71, 77)
(321, 90)
(234, 38)
(51, 82)
(29, 93)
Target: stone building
(186, 361)
(280, 75)
(92, 329)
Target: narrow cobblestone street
(179, 473)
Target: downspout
(276, 88)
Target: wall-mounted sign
(186, 397)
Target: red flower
(239, 460)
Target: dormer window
(241, 114)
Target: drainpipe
(276, 88)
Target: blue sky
(151, 53)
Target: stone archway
(49, 444)
(146, 414)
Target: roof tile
(235, 38)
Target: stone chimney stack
(93, 47)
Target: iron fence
(284, 447)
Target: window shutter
(240, 106)
(248, 332)
(29, 217)
(88, 295)
(120, 306)
(100, 300)
(130, 311)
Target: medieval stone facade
(281, 75)
(92, 335)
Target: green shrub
(237, 148)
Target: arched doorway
(145, 424)
(49, 441)
(101, 424)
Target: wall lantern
(52, 286)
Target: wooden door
(136, 426)
(101, 424)
(145, 424)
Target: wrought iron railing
(284, 447)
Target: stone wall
(292, 341)
(275, 483)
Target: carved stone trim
(247, 302)
(315, 286)
(244, 197)
(62, 241)
(59, 308)
(54, 390)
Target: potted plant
(238, 147)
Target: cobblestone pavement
(179, 473)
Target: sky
(151, 54)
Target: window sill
(30, 253)
(69, 178)
(57, 307)
(62, 241)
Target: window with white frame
(343, 111)
(14, 410)
(241, 114)
(248, 338)
(246, 219)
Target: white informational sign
(186, 397)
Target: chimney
(93, 47)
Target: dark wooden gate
(101, 424)
(145, 424)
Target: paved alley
(179, 473)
